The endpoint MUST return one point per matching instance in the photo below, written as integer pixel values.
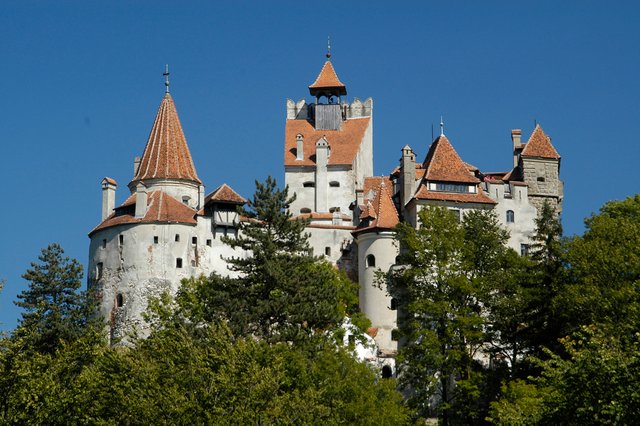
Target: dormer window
(451, 187)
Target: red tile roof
(344, 143)
(161, 208)
(381, 210)
(166, 155)
(539, 145)
(327, 79)
(444, 164)
(225, 194)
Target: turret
(407, 175)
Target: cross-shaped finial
(166, 78)
(441, 126)
(328, 47)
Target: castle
(168, 229)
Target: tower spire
(166, 78)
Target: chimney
(322, 159)
(516, 135)
(136, 165)
(300, 147)
(201, 197)
(408, 175)
(141, 200)
(108, 196)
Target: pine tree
(282, 292)
(55, 310)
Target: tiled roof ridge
(166, 154)
(539, 145)
(327, 77)
(225, 193)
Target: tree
(282, 292)
(605, 271)
(447, 274)
(55, 311)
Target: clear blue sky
(80, 84)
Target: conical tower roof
(327, 83)
(166, 155)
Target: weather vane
(441, 126)
(166, 78)
(328, 47)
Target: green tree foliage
(596, 382)
(54, 308)
(449, 272)
(605, 270)
(282, 292)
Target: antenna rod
(166, 78)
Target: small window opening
(305, 210)
(177, 237)
(104, 243)
(524, 249)
(194, 240)
(155, 239)
(119, 300)
(209, 243)
(387, 373)
(510, 216)
(334, 184)
(179, 262)
(334, 210)
(371, 261)
(540, 179)
(327, 251)
(394, 304)
(309, 184)
(398, 260)
(99, 269)
(186, 199)
(395, 334)
(121, 239)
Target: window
(395, 334)
(540, 179)
(155, 239)
(177, 238)
(209, 243)
(510, 216)
(186, 199)
(119, 300)
(305, 210)
(524, 249)
(371, 261)
(179, 262)
(104, 243)
(394, 304)
(121, 239)
(309, 184)
(387, 373)
(334, 184)
(99, 268)
(452, 187)
(334, 210)
(194, 240)
(327, 251)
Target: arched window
(387, 373)
(371, 261)
(510, 216)
(119, 300)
